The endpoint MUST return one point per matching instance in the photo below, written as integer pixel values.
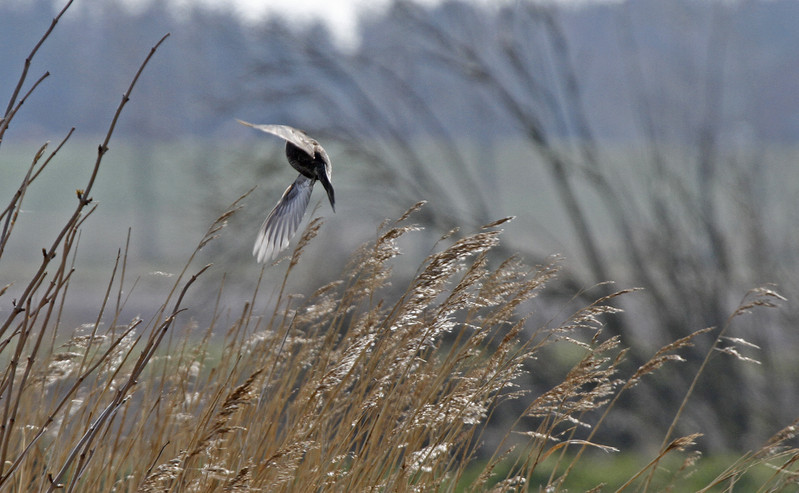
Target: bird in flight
(310, 159)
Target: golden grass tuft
(352, 388)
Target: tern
(310, 159)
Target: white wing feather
(281, 224)
(291, 134)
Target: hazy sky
(340, 15)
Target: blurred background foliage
(650, 143)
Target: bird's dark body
(310, 167)
(303, 162)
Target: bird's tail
(329, 189)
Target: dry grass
(348, 390)
(344, 390)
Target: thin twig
(8, 116)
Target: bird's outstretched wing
(281, 224)
(291, 134)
